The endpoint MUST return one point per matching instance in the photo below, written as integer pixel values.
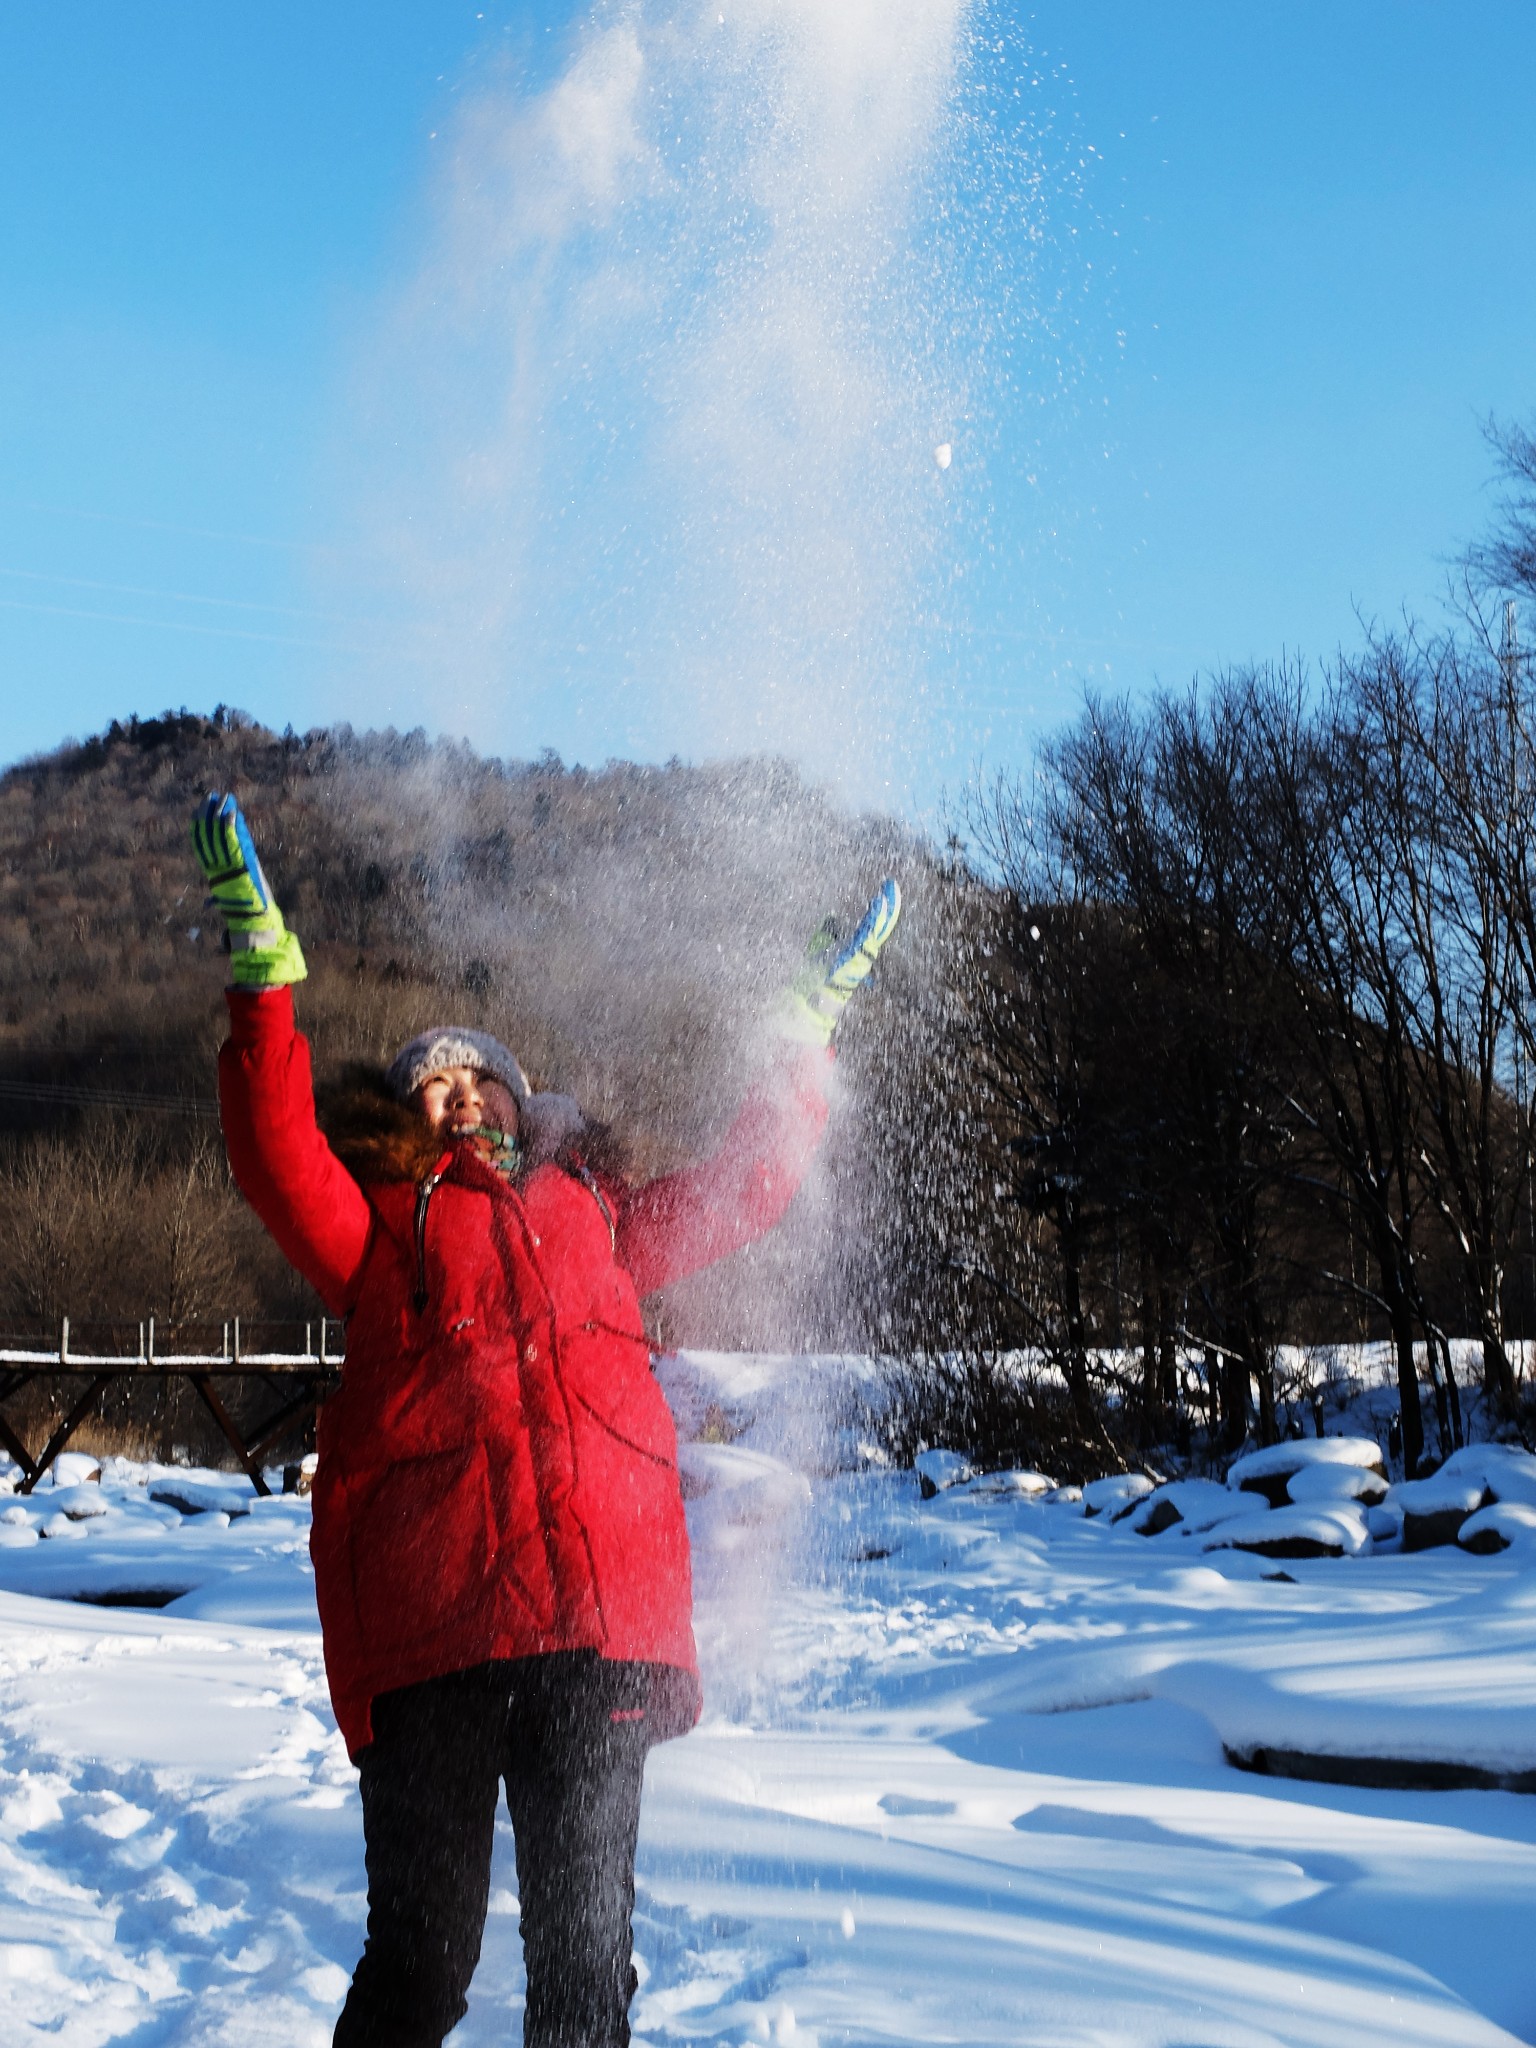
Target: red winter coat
(498, 1470)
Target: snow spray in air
(678, 436)
(678, 443)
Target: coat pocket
(631, 1409)
(424, 1548)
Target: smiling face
(462, 1099)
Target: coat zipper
(423, 1197)
(589, 1182)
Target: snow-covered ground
(962, 1777)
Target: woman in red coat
(501, 1559)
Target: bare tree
(1449, 744)
(1039, 1019)
(1334, 842)
(1505, 560)
(1151, 810)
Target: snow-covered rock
(1026, 1485)
(81, 1503)
(736, 1494)
(1434, 1509)
(75, 1468)
(1334, 1715)
(1197, 1504)
(1269, 1471)
(1505, 1472)
(856, 1452)
(1328, 1531)
(1115, 1495)
(1337, 1482)
(1502, 1525)
(938, 1469)
(302, 1475)
(813, 1410)
(199, 1497)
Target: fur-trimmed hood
(377, 1137)
(373, 1133)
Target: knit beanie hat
(545, 1122)
(450, 1045)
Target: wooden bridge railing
(299, 1379)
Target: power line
(108, 1098)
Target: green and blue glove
(263, 953)
(809, 1009)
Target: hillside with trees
(623, 929)
(1214, 1035)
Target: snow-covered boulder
(857, 1452)
(737, 1495)
(75, 1468)
(813, 1410)
(1197, 1504)
(1021, 1485)
(1064, 1497)
(201, 1497)
(300, 1478)
(1499, 1526)
(1384, 1524)
(1115, 1495)
(1337, 1482)
(81, 1503)
(1270, 1470)
(18, 1528)
(937, 1470)
(1434, 1509)
(1506, 1472)
(1337, 1530)
(1443, 1715)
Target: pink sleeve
(287, 1172)
(674, 1226)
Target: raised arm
(313, 1207)
(674, 1226)
(685, 1221)
(284, 1168)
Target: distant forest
(1214, 1032)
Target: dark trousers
(568, 1736)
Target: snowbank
(975, 1788)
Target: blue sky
(1298, 261)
